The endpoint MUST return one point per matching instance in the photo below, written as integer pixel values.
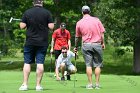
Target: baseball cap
(38, 1)
(85, 8)
(63, 25)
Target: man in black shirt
(37, 22)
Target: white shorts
(70, 67)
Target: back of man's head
(37, 2)
(85, 9)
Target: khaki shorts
(69, 67)
(93, 54)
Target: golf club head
(10, 19)
(16, 19)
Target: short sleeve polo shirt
(61, 38)
(90, 29)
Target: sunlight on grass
(109, 83)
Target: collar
(38, 5)
(86, 15)
(63, 31)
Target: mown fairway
(10, 81)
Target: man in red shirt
(60, 37)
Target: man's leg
(55, 67)
(88, 57)
(62, 67)
(40, 58)
(57, 53)
(97, 74)
(39, 74)
(71, 70)
(89, 74)
(26, 73)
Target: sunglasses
(64, 52)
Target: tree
(121, 19)
(4, 30)
(136, 65)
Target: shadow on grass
(43, 89)
(107, 69)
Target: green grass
(112, 64)
(10, 81)
(117, 75)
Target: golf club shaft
(75, 72)
(15, 19)
(51, 63)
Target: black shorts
(35, 53)
(57, 53)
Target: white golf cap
(85, 8)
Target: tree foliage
(118, 16)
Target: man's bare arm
(51, 26)
(22, 25)
(52, 45)
(69, 44)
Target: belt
(92, 43)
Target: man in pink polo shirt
(91, 30)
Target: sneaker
(23, 87)
(89, 86)
(39, 88)
(62, 78)
(97, 86)
(68, 77)
(65, 73)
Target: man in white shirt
(64, 63)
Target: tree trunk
(136, 64)
(57, 13)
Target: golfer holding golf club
(64, 63)
(91, 30)
(38, 21)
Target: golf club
(14, 19)
(51, 66)
(75, 67)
